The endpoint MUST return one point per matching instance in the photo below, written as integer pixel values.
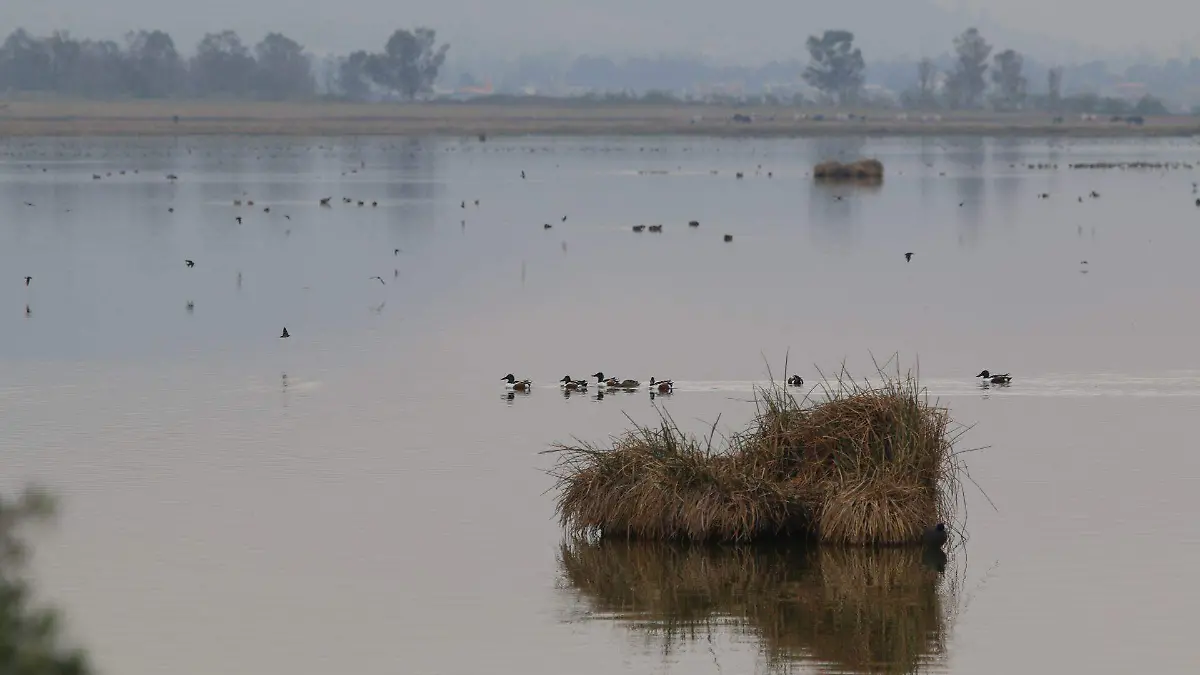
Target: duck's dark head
(510, 378)
(599, 377)
(984, 374)
(566, 379)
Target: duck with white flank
(662, 387)
(516, 385)
(795, 381)
(615, 383)
(995, 379)
(572, 385)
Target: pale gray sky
(737, 30)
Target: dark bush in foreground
(30, 641)
(868, 465)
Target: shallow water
(384, 505)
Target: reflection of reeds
(867, 465)
(859, 610)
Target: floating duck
(572, 385)
(514, 384)
(935, 537)
(615, 383)
(284, 334)
(662, 387)
(995, 379)
(795, 381)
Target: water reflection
(851, 610)
(967, 158)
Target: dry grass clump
(852, 610)
(867, 464)
(865, 170)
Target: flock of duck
(569, 384)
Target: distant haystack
(864, 170)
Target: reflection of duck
(851, 610)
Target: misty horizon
(483, 33)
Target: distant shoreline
(543, 118)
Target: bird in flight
(190, 263)
(908, 256)
(27, 280)
(239, 220)
(380, 280)
(285, 333)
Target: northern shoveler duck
(795, 381)
(572, 385)
(615, 383)
(654, 228)
(514, 384)
(997, 378)
(662, 387)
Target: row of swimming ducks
(668, 386)
(602, 382)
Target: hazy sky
(738, 30)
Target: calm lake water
(384, 507)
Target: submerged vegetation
(866, 464)
(852, 610)
(30, 640)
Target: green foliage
(30, 636)
(1010, 83)
(1148, 105)
(967, 84)
(837, 65)
(409, 63)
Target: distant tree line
(971, 76)
(148, 65)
